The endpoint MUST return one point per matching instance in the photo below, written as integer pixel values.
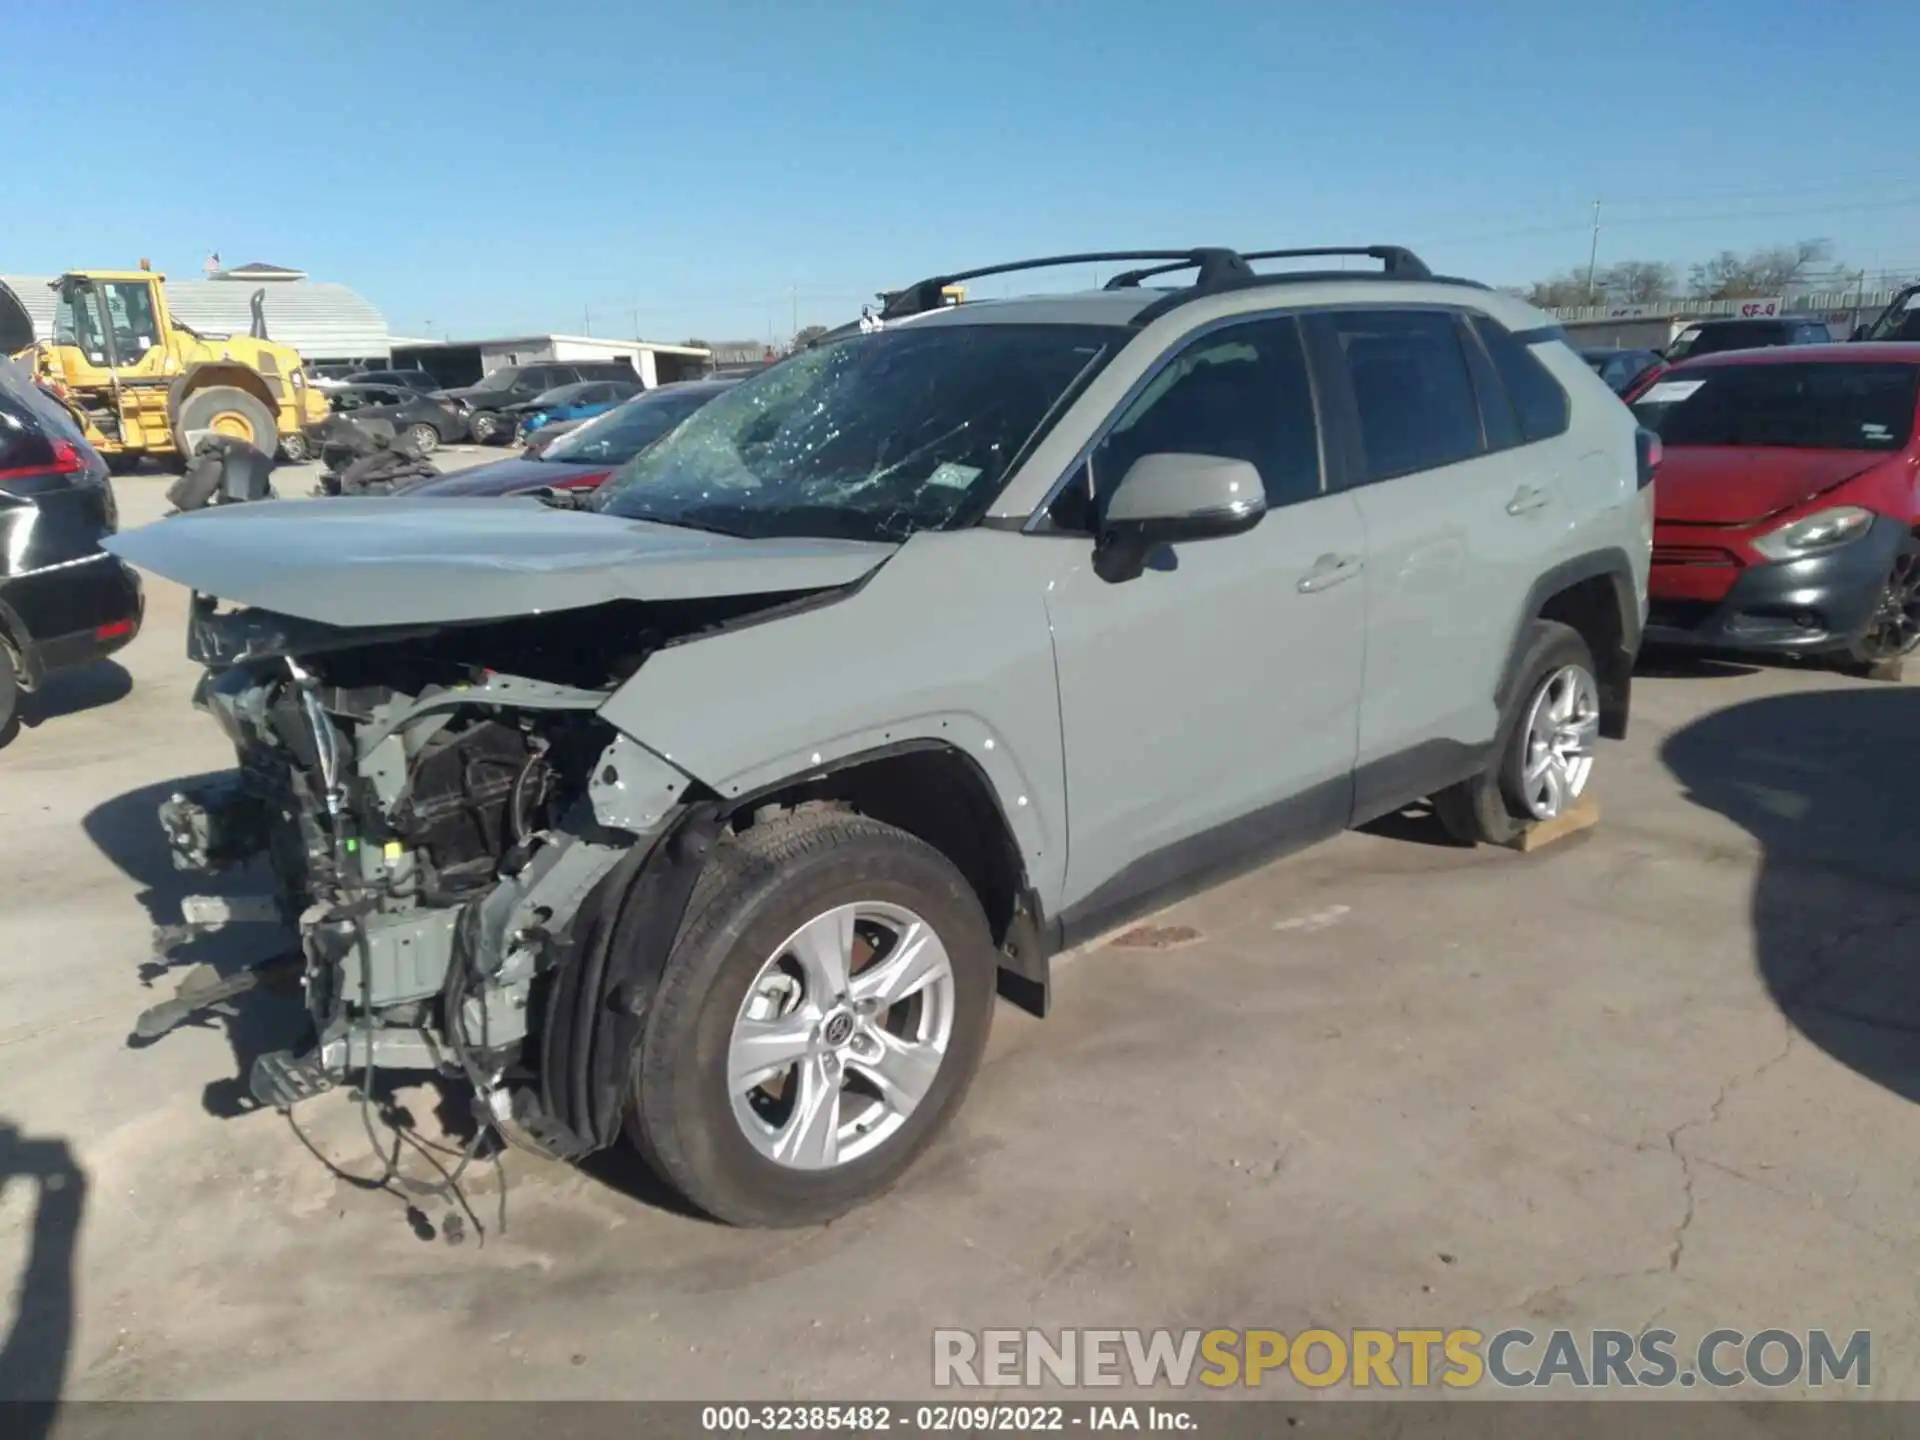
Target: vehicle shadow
(68, 692)
(1680, 663)
(127, 831)
(1824, 781)
(34, 1354)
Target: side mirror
(1169, 498)
(1860, 332)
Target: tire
(229, 411)
(759, 892)
(424, 437)
(484, 426)
(296, 448)
(1894, 633)
(11, 693)
(124, 463)
(1494, 806)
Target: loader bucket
(16, 326)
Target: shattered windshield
(497, 380)
(871, 437)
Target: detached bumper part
(1820, 603)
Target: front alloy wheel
(841, 1035)
(819, 1020)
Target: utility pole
(793, 292)
(1593, 255)
(586, 320)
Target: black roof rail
(1219, 268)
(1395, 260)
(926, 295)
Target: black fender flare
(1616, 670)
(1028, 947)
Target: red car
(1785, 508)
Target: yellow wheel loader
(144, 384)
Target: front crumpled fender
(947, 644)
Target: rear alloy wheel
(1543, 757)
(295, 448)
(485, 426)
(819, 1021)
(423, 437)
(1894, 632)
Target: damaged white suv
(717, 809)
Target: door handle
(1527, 499)
(1328, 571)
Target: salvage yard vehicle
(1710, 337)
(64, 601)
(580, 401)
(1623, 370)
(1785, 520)
(584, 457)
(420, 380)
(488, 401)
(718, 815)
(1900, 321)
(140, 381)
(424, 420)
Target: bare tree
(1560, 291)
(1767, 271)
(806, 335)
(1636, 282)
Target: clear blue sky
(497, 168)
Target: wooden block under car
(1584, 815)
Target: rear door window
(1537, 397)
(1413, 394)
(1498, 422)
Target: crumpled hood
(388, 560)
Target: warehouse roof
(321, 321)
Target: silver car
(715, 811)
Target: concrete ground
(1663, 1071)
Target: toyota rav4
(716, 811)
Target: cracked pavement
(1662, 1072)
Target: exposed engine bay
(454, 836)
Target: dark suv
(1710, 337)
(486, 401)
(63, 600)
